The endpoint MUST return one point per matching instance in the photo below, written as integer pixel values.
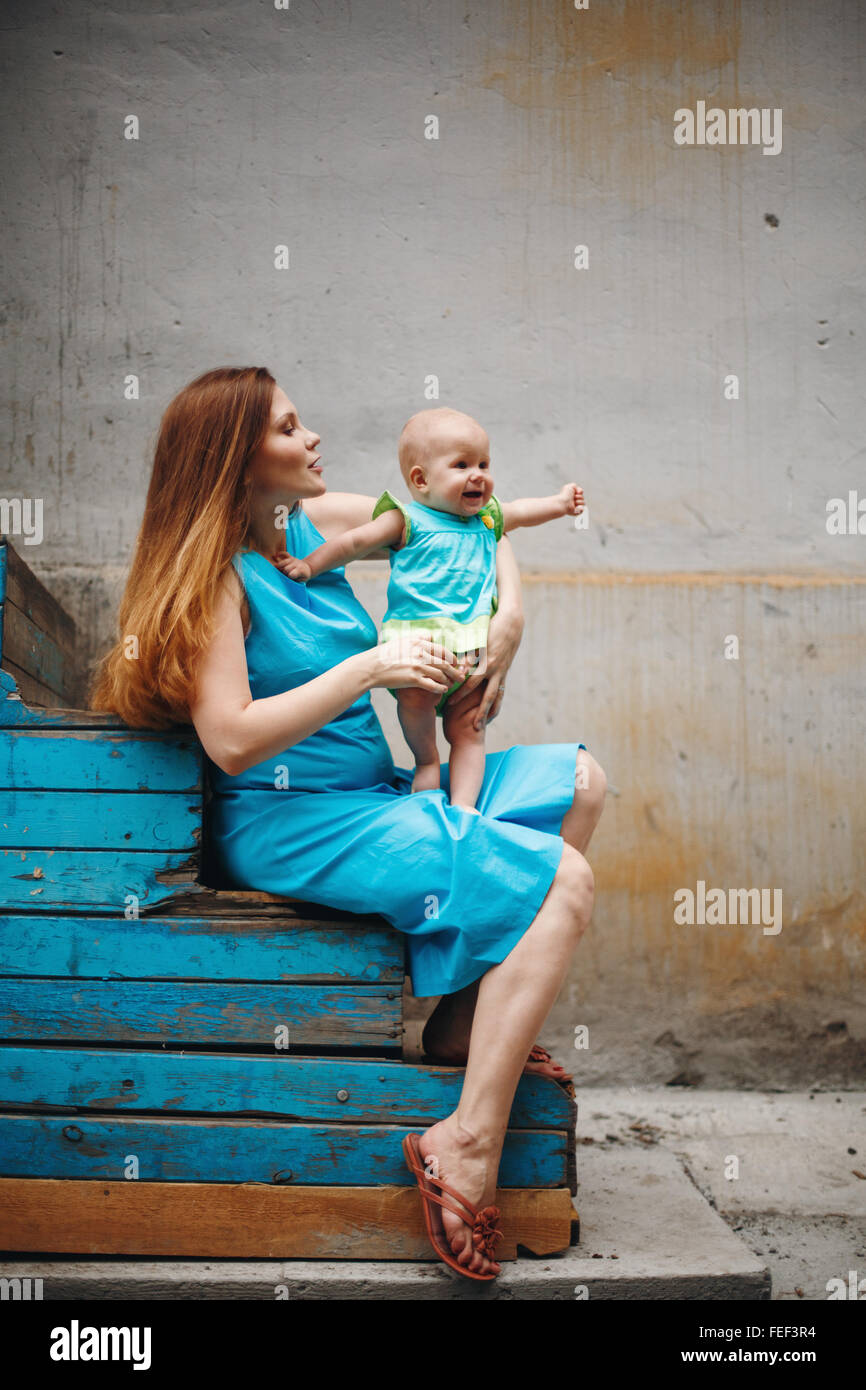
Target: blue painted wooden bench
(186, 1069)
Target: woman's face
(286, 466)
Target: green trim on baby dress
(387, 503)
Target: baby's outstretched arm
(386, 530)
(532, 511)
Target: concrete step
(646, 1233)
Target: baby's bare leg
(466, 764)
(417, 713)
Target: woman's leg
(584, 813)
(448, 1029)
(514, 998)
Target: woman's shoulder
(336, 512)
(235, 587)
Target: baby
(443, 546)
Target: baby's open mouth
(473, 495)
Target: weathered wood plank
(93, 880)
(236, 902)
(14, 712)
(35, 652)
(198, 948)
(19, 585)
(39, 636)
(254, 1221)
(351, 1090)
(100, 820)
(222, 1150)
(17, 685)
(107, 1011)
(99, 760)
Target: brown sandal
(485, 1234)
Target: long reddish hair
(197, 514)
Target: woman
(276, 677)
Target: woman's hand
(415, 661)
(502, 643)
(503, 639)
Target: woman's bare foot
(426, 778)
(470, 1167)
(449, 1044)
(456, 1058)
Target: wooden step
(255, 946)
(203, 1012)
(182, 1149)
(252, 1221)
(351, 1090)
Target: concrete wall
(454, 257)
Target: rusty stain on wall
(594, 83)
(811, 579)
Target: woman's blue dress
(332, 821)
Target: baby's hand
(295, 569)
(572, 496)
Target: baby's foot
(426, 778)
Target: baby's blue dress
(443, 577)
(331, 820)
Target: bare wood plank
(254, 1221)
(232, 902)
(37, 653)
(30, 595)
(32, 691)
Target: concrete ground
(702, 1195)
(786, 1172)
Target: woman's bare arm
(509, 610)
(237, 731)
(503, 639)
(336, 512)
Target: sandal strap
(446, 1187)
(485, 1243)
(443, 1202)
(485, 1234)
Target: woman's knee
(590, 781)
(574, 879)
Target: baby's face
(456, 470)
